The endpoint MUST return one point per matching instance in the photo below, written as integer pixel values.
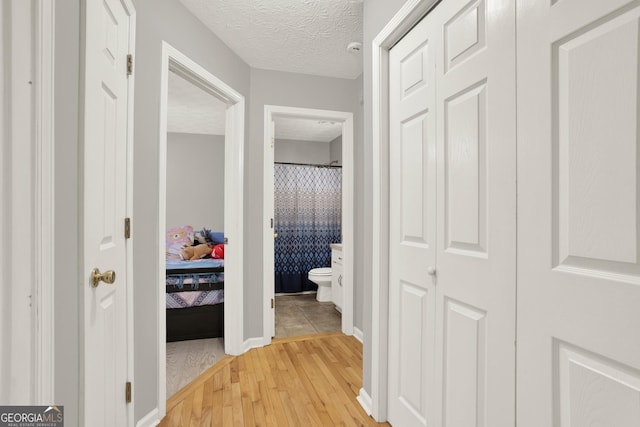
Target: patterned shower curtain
(307, 219)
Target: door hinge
(271, 222)
(273, 303)
(127, 392)
(226, 240)
(127, 228)
(129, 64)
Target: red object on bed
(217, 252)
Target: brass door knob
(107, 277)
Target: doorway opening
(176, 63)
(275, 115)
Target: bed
(194, 297)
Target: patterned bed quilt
(202, 274)
(194, 299)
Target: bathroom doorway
(283, 126)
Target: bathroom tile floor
(302, 315)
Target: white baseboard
(255, 343)
(358, 334)
(365, 401)
(152, 419)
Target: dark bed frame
(193, 323)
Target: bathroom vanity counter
(336, 246)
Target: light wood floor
(304, 381)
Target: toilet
(322, 278)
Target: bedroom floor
(188, 359)
(295, 315)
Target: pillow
(216, 237)
(177, 238)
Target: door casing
(176, 61)
(346, 118)
(405, 19)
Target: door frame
(346, 118)
(44, 202)
(405, 19)
(176, 61)
(29, 47)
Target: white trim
(44, 362)
(152, 419)
(129, 243)
(358, 334)
(365, 401)
(271, 111)
(177, 62)
(255, 343)
(399, 25)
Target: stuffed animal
(195, 252)
(178, 238)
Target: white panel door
(105, 194)
(412, 225)
(452, 218)
(476, 290)
(579, 222)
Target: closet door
(412, 160)
(579, 222)
(476, 276)
(452, 218)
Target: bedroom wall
(166, 20)
(195, 180)
(292, 90)
(377, 13)
(311, 152)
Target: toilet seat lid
(324, 271)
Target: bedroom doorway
(287, 126)
(195, 212)
(215, 150)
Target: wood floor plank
(305, 381)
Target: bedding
(194, 288)
(194, 299)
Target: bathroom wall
(195, 180)
(335, 151)
(311, 152)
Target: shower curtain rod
(308, 164)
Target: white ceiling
(307, 129)
(299, 36)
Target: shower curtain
(307, 219)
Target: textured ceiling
(192, 110)
(299, 36)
